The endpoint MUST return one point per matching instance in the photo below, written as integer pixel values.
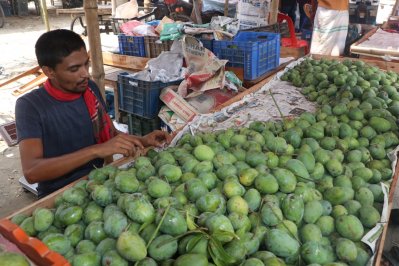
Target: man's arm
(38, 169)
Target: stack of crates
(131, 45)
(140, 100)
(255, 52)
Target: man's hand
(157, 138)
(120, 144)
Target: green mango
(316, 252)
(163, 247)
(286, 180)
(339, 195)
(349, 226)
(131, 246)
(326, 225)
(293, 208)
(313, 211)
(281, 243)
(42, 219)
(310, 232)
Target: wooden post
(43, 11)
(395, 8)
(147, 6)
(113, 5)
(273, 12)
(93, 33)
(226, 8)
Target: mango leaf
(219, 254)
(159, 226)
(143, 226)
(190, 222)
(216, 259)
(193, 242)
(222, 234)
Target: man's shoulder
(33, 95)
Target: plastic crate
(140, 97)
(142, 126)
(208, 44)
(154, 47)
(131, 45)
(9, 133)
(255, 52)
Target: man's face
(72, 74)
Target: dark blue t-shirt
(63, 127)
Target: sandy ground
(17, 40)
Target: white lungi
(329, 31)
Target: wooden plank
(375, 57)
(125, 61)
(34, 70)
(292, 52)
(38, 81)
(381, 243)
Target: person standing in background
(330, 27)
(303, 19)
(289, 7)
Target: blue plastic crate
(208, 44)
(256, 52)
(140, 97)
(131, 45)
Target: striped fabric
(329, 32)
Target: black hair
(53, 46)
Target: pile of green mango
(298, 191)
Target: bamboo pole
(147, 6)
(273, 12)
(43, 11)
(113, 5)
(93, 33)
(226, 8)
(395, 8)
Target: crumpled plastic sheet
(161, 69)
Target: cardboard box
(186, 109)
(177, 104)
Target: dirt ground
(17, 40)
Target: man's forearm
(44, 169)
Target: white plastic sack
(144, 30)
(253, 13)
(127, 10)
